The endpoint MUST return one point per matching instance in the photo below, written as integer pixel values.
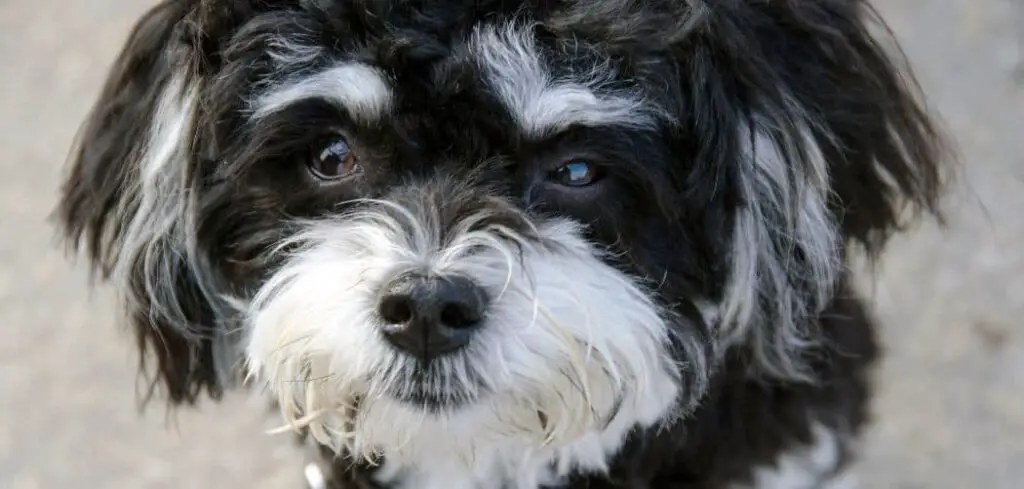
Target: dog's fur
(686, 320)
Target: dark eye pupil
(576, 174)
(337, 151)
(334, 160)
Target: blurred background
(950, 411)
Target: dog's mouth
(442, 385)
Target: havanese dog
(501, 244)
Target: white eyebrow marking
(542, 104)
(360, 89)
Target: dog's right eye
(334, 160)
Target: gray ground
(951, 410)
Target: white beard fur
(566, 335)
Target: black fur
(668, 206)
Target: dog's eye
(334, 160)
(576, 173)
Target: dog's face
(520, 223)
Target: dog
(512, 244)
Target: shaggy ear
(891, 162)
(833, 149)
(127, 204)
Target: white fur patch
(289, 53)
(153, 216)
(565, 335)
(361, 90)
(807, 467)
(542, 104)
(771, 295)
(157, 239)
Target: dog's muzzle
(390, 324)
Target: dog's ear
(127, 203)
(826, 145)
(890, 162)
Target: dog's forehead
(510, 64)
(434, 59)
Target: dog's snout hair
(569, 345)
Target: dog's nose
(428, 316)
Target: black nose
(428, 316)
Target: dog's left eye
(576, 173)
(333, 161)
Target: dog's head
(544, 219)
